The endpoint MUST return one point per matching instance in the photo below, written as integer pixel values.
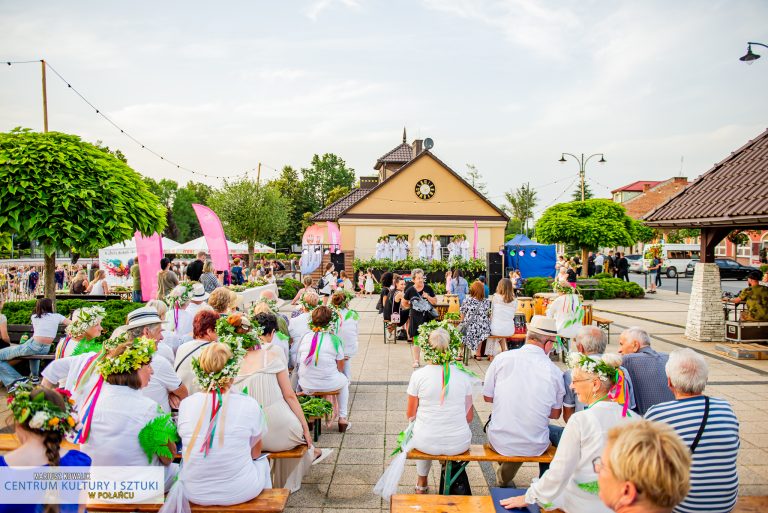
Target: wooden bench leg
(449, 477)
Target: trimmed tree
(587, 224)
(70, 195)
(250, 212)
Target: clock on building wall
(425, 189)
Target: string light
(143, 146)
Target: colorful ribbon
(175, 316)
(62, 348)
(93, 397)
(317, 343)
(215, 410)
(88, 369)
(620, 392)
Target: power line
(143, 146)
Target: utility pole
(582, 165)
(45, 100)
(581, 173)
(258, 175)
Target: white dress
(502, 316)
(324, 375)
(369, 285)
(583, 440)
(422, 247)
(347, 332)
(297, 328)
(565, 309)
(440, 428)
(437, 254)
(66, 371)
(464, 249)
(227, 475)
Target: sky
(504, 85)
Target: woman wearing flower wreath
(85, 327)
(439, 407)
(567, 310)
(42, 419)
(221, 434)
(299, 325)
(571, 482)
(321, 361)
(121, 426)
(264, 376)
(346, 327)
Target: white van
(675, 257)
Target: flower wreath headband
(271, 303)
(306, 306)
(618, 392)
(135, 356)
(41, 413)
(86, 319)
(214, 381)
(228, 327)
(177, 297)
(445, 358)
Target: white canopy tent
(114, 259)
(194, 246)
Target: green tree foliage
(336, 194)
(70, 195)
(588, 194)
(325, 174)
(475, 179)
(291, 187)
(587, 224)
(680, 236)
(250, 212)
(181, 221)
(520, 205)
(644, 233)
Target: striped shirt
(714, 481)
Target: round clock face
(425, 189)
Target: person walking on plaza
(655, 269)
(526, 390)
(645, 368)
(195, 269)
(709, 427)
(622, 267)
(599, 259)
(136, 277)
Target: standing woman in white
(437, 253)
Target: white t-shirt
(502, 316)
(282, 344)
(65, 371)
(348, 334)
(47, 325)
(525, 386)
(164, 349)
(163, 380)
(441, 428)
(324, 376)
(566, 308)
(297, 328)
(183, 363)
(185, 322)
(227, 475)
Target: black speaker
(337, 259)
(495, 269)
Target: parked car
(729, 268)
(635, 263)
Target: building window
(720, 250)
(744, 251)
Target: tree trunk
(584, 266)
(49, 277)
(250, 254)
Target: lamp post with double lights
(582, 165)
(751, 57)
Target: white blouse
(163, 381)
(583, 440)
(503, 316)
(323, 376)
(348, 333)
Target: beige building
(414, 194)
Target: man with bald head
(645, 367)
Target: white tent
(114, 259)
(199, 244)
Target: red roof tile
(636, 186)
(399, 155)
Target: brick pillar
(705, 309)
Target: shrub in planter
(289, 288)
(614, 288)
(536, 285)
(600, 276)
(438, 287)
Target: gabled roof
(636, 186)
(333, 211)
(399, 155)
(733, 193)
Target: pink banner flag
(214, 236)
(334, 237)
(474, 244)
(149, 251)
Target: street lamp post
(582, 165)
(750, 57)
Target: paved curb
(624, 314)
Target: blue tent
(533, 259)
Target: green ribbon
(591, 487)
(352, 314)
(282, 336)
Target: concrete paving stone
(751, 475)
(361, 496)
(302, 509)
(367, 428)
(760, 489)
(361, 457)
(757, 439)
(310, 495)
(330, 437)
(369, 404)
(361, 441)
(753, 427)
(357, 474)
(752, 456)
(368, 416)
(320, 474)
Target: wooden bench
(316, 421)
(604, 324)
(16, 331)
(9, 442)
(443, 503)
(589, 286)
(476, 453)
(297, 452)
(516, 340)
(271, 500)
(751, 504)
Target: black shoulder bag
(701, 427)
(190, 354)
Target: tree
(521, 204)
(166, 191)
(325, 173)
(250, 212)
(291, 187)
(475, 179)
(70, 195)
(336, 194)
(587, 224)
(588, 194)
(644, 233)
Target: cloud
(318, 6)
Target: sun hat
(199, 293)
(143, 316)
(542, 325)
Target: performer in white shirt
(405, 248)
(428, 247)
(422, 247)
(464, 244)
(437, 253)
(453, 248)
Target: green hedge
(289, 288)
(20, 312)
(764, 268)
(472, 266)
(613, 288)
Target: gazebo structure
(732, 196)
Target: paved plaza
(344, 482)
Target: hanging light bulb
(521, 252)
